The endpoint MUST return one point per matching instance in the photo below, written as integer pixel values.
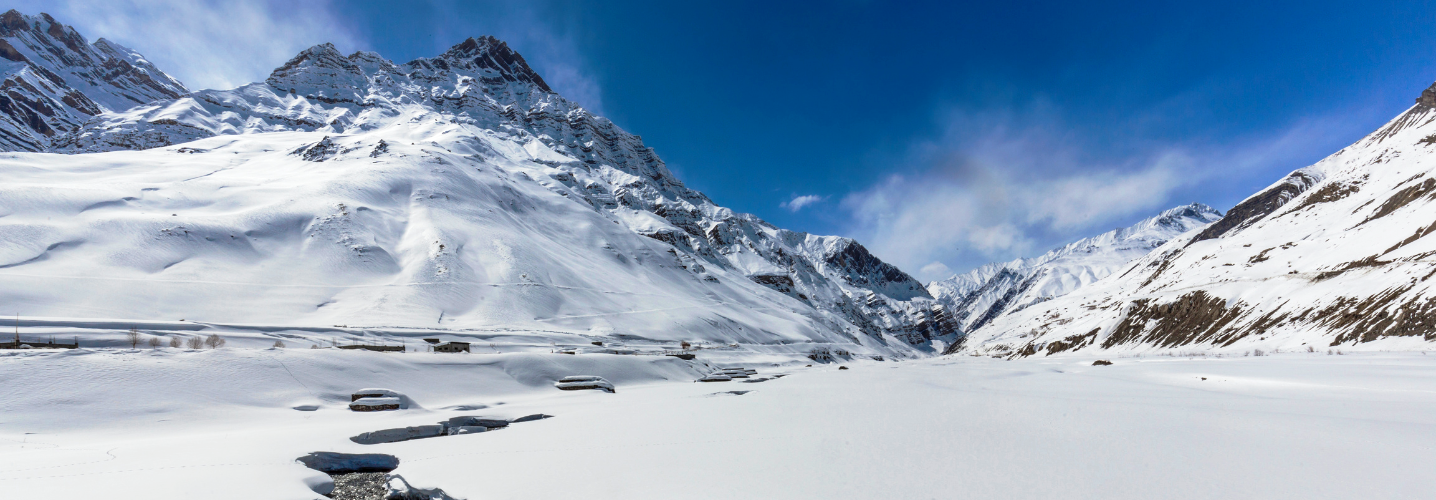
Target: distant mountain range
(1335, 255)
(348, 193)
(978, 297)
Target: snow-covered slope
(1338, 253)
(979, 296)
(55, 80)
(456, 192)
(218, 425)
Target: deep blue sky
(945, 135)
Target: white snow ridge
(441, 280)
(452, 193)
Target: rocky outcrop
(55, 80)
(1428, 97)
(1259, 205)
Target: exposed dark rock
(734, 393)
(330, 462)
(1390, 313)
(360, 486)
(1258, 206)
(865, 270)
(782, 283)
(1427, 97)
(488, 53)
(1101, 362)
(530, 418)
(39, 105)
(319, 151)
(1403, 197)
(1073, 343)
(1192, 318)
(399, 434)
(1371, 261)
(492, 423)
(1325, 194)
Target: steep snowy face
(55, 80)
(1335, 254)
(546, 194)
(986, 293)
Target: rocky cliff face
(1336, 255)
(980, 296)
(55, 80)
(481, 105)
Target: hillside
(55, 80)
(979, 296)
(1336, 254)
(351, 196)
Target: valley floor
(219, 424)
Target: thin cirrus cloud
(798, 202)
(1001, 185)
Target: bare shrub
(155, 343)
(1310, 349)
(214, 341)
(195, 343)
(314, 346)
(279, 344)
(1258, 352)
(175, 342)
(133, 337)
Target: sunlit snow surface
(219, 424)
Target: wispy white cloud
(935, 269)
(798, 202)
(205, 43)
(999, 185)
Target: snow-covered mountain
(457, 192)
(55, 80)
(979, 296)
(1335, 254)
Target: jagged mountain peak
(56, 80)
(491, 54)
(322, 72)
(502, 180)
(1427, 97)
(1185, 211)
(13, 21)
(988, 292)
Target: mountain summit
(457, 192)
(55, 80)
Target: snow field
(218, 424)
